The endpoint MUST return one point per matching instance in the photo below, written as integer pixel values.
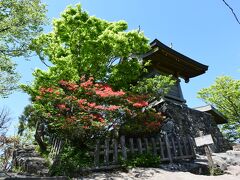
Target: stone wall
(182, 120)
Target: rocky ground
(156, 173)
(142, 174)
(228, 162)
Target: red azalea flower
(140, 104)
(61, 106)
(38, 97)
(113, 108)
(92, 105)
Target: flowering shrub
(89, 109)
(143, 124)
(85, 110)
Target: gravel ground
(155, 173)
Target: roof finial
(171, 45)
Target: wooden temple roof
(169, 61)
(219, 118)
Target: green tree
(28, 119)
(224, 95)
(87, 51)
(83, 45)
(91, 88)
(4, 120)
(20, 22)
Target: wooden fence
(107, 152)
(56, 146)
(169, 149)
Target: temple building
(180, 118)
(167, 61)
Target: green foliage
(224, 95)
(20, 22)
(18, 169)
(5, 120)
(46, 154)
(215, 171)
(122, 74)
(71, 160)
(157, 86)
(83, 45)
(9, 78)
(142, 160)
(27, 137)
(143, 124)
(28, 120)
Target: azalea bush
(88, 109)
(143, 124)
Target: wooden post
(60, 146)
(115, 151)
(96, 154)
(131, 146)
(179, 146)
(154, 146)
(106, 152)
(168, 148)
(185, 145)
(139, 143)
(146, 145)
(124, 152)
(191, 145)
(174, 147)
(209, 156)
(161, 147)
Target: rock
(29, 161)
(234, 170)
(233, 154)
(236, 147)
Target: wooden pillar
(123, 145)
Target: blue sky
(202, 30)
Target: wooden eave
(170, 61)
(219, 118)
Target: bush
(71, 160)
(143, 124)
(142, 160)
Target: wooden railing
(169, 149)
(56, 145)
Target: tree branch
(4, 29)
(232, 11)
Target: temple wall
(182, 120)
